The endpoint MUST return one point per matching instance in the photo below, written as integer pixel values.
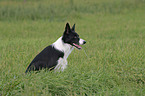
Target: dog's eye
(75, 37)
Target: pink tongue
(77, 45)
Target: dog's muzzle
(82, 42)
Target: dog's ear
(67, 28)
(73, 28)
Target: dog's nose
(84, 42)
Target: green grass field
(115, 48)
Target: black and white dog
(55, 56)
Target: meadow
(112, 63)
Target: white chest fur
(67, 49)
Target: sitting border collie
(54, 57)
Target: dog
(54, 57)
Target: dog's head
(71, 37)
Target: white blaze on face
(81, 41)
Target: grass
(115, 35)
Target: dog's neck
(64, 47)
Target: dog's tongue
(77, 46)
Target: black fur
(47, 58)
(70, 36)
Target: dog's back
(47, 58)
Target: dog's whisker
(85, 52)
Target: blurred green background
(115, 35)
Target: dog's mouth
(77, 46)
